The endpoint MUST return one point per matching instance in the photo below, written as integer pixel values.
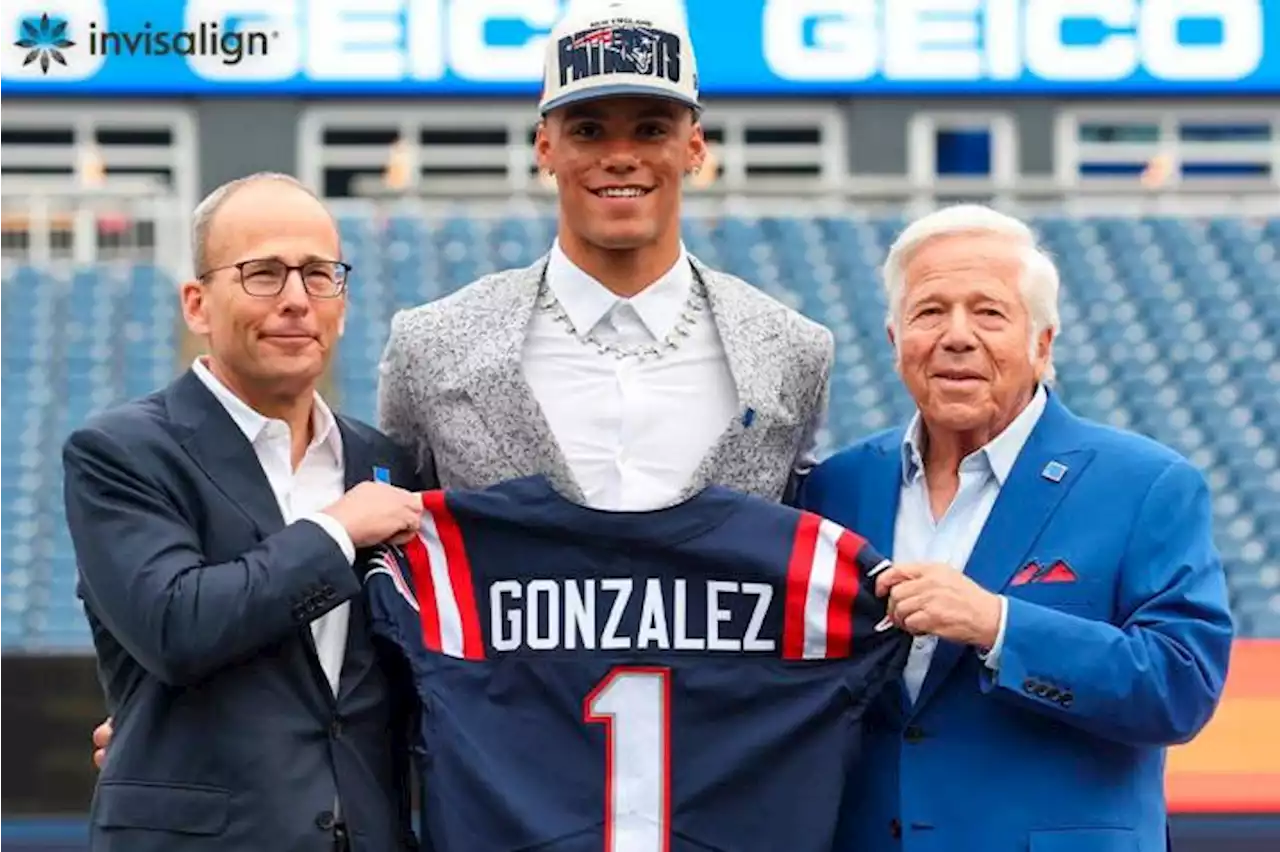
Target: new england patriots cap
(614, 48)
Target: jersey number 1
(634, 705)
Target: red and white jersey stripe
(445, 594)
(822, 584)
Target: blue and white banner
(478, 48)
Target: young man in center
(619, 366)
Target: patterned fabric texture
(452, 389)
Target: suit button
(1052, 694)
(325, 821)
(1066, 698)
(895, 829)
(1042, 690)
(1029, 685)
(335, 728)
(914, 734)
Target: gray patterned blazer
(453, 391)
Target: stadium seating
(73, 344)
(1170, 327)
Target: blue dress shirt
(919, 537)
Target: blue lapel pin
(381, 474)
(1054, 471)
(748, 417)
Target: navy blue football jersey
(691, 678)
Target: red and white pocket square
(1055, 572)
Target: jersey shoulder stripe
(445, 596)
(823, 580)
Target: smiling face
(963, 338)
(619, 164)
(266, 345)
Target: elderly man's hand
(940, 601)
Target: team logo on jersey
(625, 48)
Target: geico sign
(502, 41)
(804, 40)
(920, 40)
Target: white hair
(206, 210)
(1038, 283)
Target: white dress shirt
(632, 431)
(918, 537)
(317, 482)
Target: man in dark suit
(216, 525)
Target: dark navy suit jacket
(227, 734)
(1116, 646)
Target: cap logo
(619, 49)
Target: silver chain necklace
(690, 314)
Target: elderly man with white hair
(1060, 576)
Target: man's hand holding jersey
(376, 512)
(938, 600)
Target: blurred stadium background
(1141, 137)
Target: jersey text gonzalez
(625, 614)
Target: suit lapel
(223, 452)
(877, 522)
(358, 459)
(497, 385)
(734, 319)
(1025, 504)
(877, 518)
(755, 360)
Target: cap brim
(618, 90)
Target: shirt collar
(252, 423)
(997, 456)
(587, 301)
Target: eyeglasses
(266, 277)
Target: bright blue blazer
(1116, 645)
